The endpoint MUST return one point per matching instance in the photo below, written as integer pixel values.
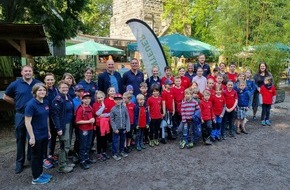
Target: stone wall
(149, 11)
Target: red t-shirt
(185, 82)
(130, 107)
(232, 76)
(142, 117)
(206, 110)
(168, 98)
(154, 104)
(224, 87)
(163, 79)
(84, 113)
(109, 104)
(178, 95)
(96, 107)
(230, 97)
(267, 94)
(218, 104)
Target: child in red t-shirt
(144, 91)
(85, 120)
(218, 103)
(231, 98)
(130, 107)
(219, 82)
(178, 96)
(207, 117)
(102, 126)
(209, 86)
(213, 74)
(268, 97)
(168, 107)
(154, 104)
(109, 101)
(141, 118)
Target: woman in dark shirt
(259, 81)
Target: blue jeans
(21, 135)
(85, 139)
(140, 137)
(265, 115)
(216, 127)
(188, 131)
(118, 141)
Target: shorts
(241, 113)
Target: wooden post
(23, 52)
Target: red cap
(118, 96)
(85, 94)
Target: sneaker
(268, 122)
(70, 154)
(254, 118)
(117, 158)
(47, 164)
(143, 146)
(85, 165)
(127, 150)
(138, 148)
(101, 157)
(93, 149)
(151, 143)
(182, 144)
(232, 136)
(91, 161)
(245, 132)
(190, 145)
(65, 169)
(40, 180)
(71, 165)
(163, 141)
(124, 154)
(224, 138)
(45, 175)
(106, 156)
(156, 142)
(208, 142)
(263, 123)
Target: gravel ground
(259, 160)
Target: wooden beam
(23, 52)
(14, 44)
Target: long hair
(266, 70)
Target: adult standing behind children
(37, 125)
(69, 78)
(154, 79)
(88, 84)
(259, 81)
(62, 116)
(189, 73)
(18, 93)
(110, 77)
(201, 63)
(134, 77)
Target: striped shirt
(188, 108)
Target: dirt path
(259, 160)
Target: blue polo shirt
(21, 92)
(51, 94)
(130, 78)
(90, 87)
(39, 113)
(205, 68)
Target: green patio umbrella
(92, 48)
(180, 45)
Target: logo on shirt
(46, 108)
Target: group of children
(187, 114)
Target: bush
(60, 65)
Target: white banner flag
(148, 46)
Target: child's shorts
(242, 113)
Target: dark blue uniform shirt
(130, 78)
(39, 113)
(20, 91)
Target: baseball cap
(168, 81)
(79, 87)
(86, 94)
(118, 96)
(129, 87)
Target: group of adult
(20, 91)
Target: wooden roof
(22, 40)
